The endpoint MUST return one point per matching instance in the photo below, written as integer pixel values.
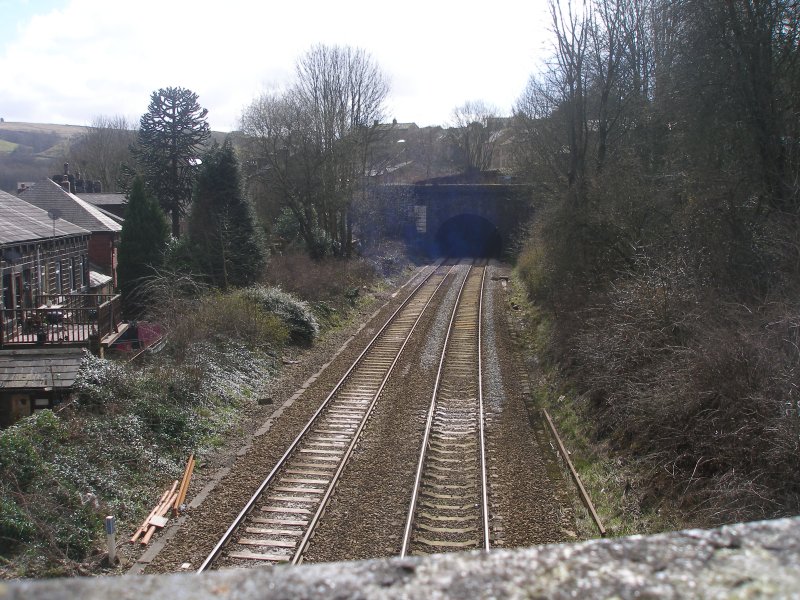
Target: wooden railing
(74, 319)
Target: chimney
(65, 184)
(97, 187)
(66, 168)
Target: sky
(72, 61)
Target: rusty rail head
(584, 495)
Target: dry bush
(336, 281)
(705, 392)
(234, 317)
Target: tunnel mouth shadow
(468, 236)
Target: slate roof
(104, 199)
(49, 195)
(23, 222)
(36, 368)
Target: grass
(7, 147)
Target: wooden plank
(260, 556)
(280, 509)
(283, 522)
(161, 511)
(271, 543)
(263, 531)
(187, 477)
(153, 513)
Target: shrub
(37, 505)
(699, 390)
(296, 314)
(328, 280)
(230, 317)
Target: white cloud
(95, 57)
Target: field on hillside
(30, 151)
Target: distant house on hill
(105, 229)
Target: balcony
(70, 320)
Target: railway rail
(276, 524)
(449, 502)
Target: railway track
(449, 504)
(277, 523)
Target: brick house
(49, 316)
(39, 256)
(105, 230)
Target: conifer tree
(171, 136)
(145, 234)
(226, 242)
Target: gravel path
(365, 517)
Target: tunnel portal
(468, 236)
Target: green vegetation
(145, 233)
(227, 245)
(7, 147)
(299, 319)
(128, 431)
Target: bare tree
(572, 30)
(539, 140)
(101, 153)
(310, 145)
(471, 132)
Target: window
(72, 278)
(27, 288)
(59, 284)
(8, 301)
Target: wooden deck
(80, 320)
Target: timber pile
(170, 502)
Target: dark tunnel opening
(468, 236)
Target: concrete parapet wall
(751, 560)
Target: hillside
(30, 151)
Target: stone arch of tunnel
(468, 235)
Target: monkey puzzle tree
(171, 135)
